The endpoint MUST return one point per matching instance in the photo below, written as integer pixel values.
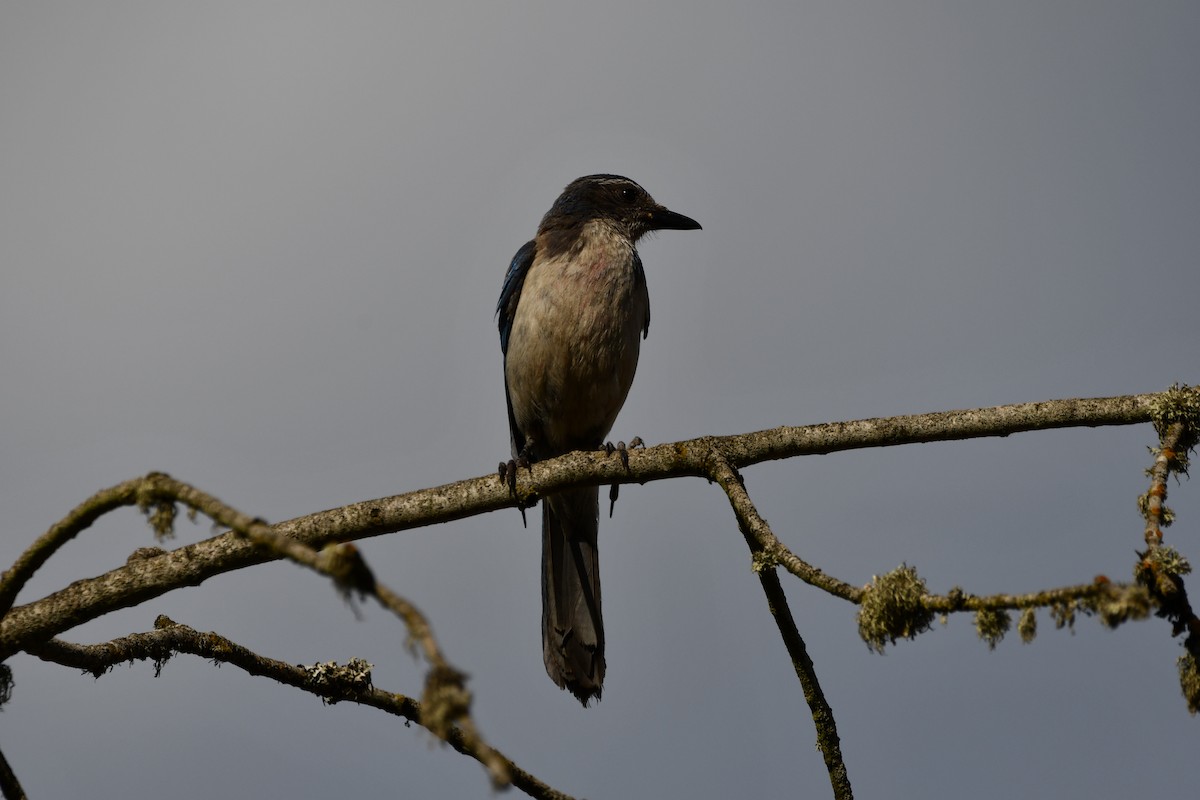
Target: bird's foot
(508, 476)
(508, 472)
(621, 449)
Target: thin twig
(171, 637)
(1154, 505)
(63, 531)
(1160, 568)
(10, 787)
(1100, 588)
(762, 540)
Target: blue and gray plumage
(572, 313)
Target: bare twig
(765, 550)
(10, 787)
(63, 531)
(170, 637)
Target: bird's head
(614, 199)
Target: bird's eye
(629, 194)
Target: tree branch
(147, 578)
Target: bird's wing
(506, 310)
(510, 294)
(639, 276)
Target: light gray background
(258, 246)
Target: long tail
(572, 630)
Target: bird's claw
(621, 449)
(508, 476)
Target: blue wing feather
(510, 294)
(640, 277)
(506, 310)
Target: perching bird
(572, 312)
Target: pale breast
(574, 343)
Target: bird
(572, 312)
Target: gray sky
(258, 246)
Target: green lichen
(1189, 681)
(1178, 405)
(992, 624)
(893, 608)
(1027, 625)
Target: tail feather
(572, 629)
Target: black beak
(662, 219)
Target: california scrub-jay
(572, 312)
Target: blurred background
(258, 246)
